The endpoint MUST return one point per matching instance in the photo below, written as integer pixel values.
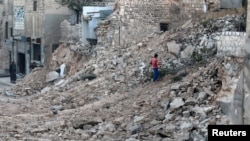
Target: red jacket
(154, 63)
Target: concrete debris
(51, 76)
(45, 90)
(9, 94)
(106, 97)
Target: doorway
(37, 52)
(21, 63)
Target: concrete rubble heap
(107, 98)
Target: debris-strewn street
(109, 97)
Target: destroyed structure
(104, 93)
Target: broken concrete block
(51, 76)
(174, 48)
(45, 90)
(177, 103)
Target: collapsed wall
(118, 104)
(231, 96)
(134, 20)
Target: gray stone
(187, 52)
(53, 75)
(202, 96)
(156, 128)
(170, 128)
(177, 103)
(155, 122)
(138, 119)
(196, 136)
(200, 112)
(167, 139)
(168, 117)
(190, 101)
(186, 114)
(57, 108)
(186, 126)
(87, 127)
(109, 127)
(173, 47)
(175, 86)
(172, 94)
(10, 94)
(45, 90)
(181, 136)
(209, 92)
(131, 139)
(208, 109)
(118, 121)
(140, 44)
(165, 104)
(190, 90)
(134, 129)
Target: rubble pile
(102, 97)
(175, 47)
(32, 83)
(127, 66)
(164, 111)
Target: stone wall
(70, 33)
(132, 21)
(231, 44)
(231, 96)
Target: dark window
(37, 52)
(244, 3)
(34, 5)
(11, 32)
(164, 27)
(6, 30)
(92, 41)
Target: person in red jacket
(155, 65)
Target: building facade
(5, 34)
(36, 31)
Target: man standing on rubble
(12, 70)
(155, 65)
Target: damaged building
(134, 21)
(36, 35)
(29, 37)
(111, 97)
(5, 10)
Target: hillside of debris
(109, 96)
